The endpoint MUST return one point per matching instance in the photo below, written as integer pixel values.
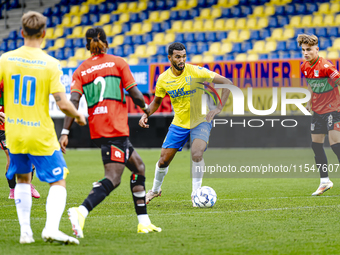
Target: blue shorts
(48, 168)
(178, 136)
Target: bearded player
(323, 80)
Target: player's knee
(197, 156)
(137, 183)
(115, 180)
(108, 185)
(140, 169)
(163, 162)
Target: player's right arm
(309, 103)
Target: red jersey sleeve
(331, 71)
(76, 85)
(127, 79)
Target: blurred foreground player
(176, 81)
(323, 80)
(30, 76)
(102, 78)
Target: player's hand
(63, 140)
(210, 116)
(81, 120)
(308, 107)
(143, 121)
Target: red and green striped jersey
(2, 127)
(322, 77)
(102, 79)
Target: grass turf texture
(251, 216)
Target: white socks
(23, 203)
(55, 205)
(159, 177)
(197, 175)
(323, 180)
(144, 219)
(83, 210)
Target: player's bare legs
(197, 149)
(162, 166)
(321, 161)
(137, 185)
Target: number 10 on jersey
(18, 89)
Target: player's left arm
(218, 79)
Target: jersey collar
(315, 61)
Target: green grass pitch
(251, 216)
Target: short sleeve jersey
(102, 79)
(2, 126)
(29, 77)
(181, 91)
(322, 77)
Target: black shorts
(3, 140)
(322, 123)
(115, 150)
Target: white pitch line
(203, 210)
(219, 199)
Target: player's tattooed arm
(57, 98)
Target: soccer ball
(205, 197)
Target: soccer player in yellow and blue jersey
(176, 81)
(30, 76)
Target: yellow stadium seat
(251, 23)
(259, 46)
(269, 47)
(277, 34)
(157, 39)
(328, 20)
(219, 25)
(333, 55)
(205, 14)
(79, 53)
(262, 23)
(116, 29)
(66, 21)
(117, 40)
(222, 4)
(243, 35)
(192, 4)
(216, 13)
(164, 15)
(294, 21)
(135, 29)
(132, 7)
(288, 33)
(176, 26)
(269, 11)
(49, 33)
(208, 25)
(59, 43)
(76, 32)
(104, 19)
(233, 3)
(198, 25)
(142, 6)
(208, 59)
(181, 5)
(214, 49)
(63, 63)
(232, 36)
(306, 21)
(258, 11)
(168, 38)
(241, 23)
(225, 48)
(337, 20)
(154, 17)
(317, 21)
(83, 9)
(187, 26)
(58, 32)
(122, 7)
(323, 54)
(196, 59)
(133, 61)
(146, 28)
(230, 24)
(335, 8)
(323, 8)
(336, 45)
(252, 57)
(74, 10)
(151, 50)
(241, 57)
(76, 20)
(83, 32)
(107, 29)
(123, 18)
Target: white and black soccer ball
(205, 197)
